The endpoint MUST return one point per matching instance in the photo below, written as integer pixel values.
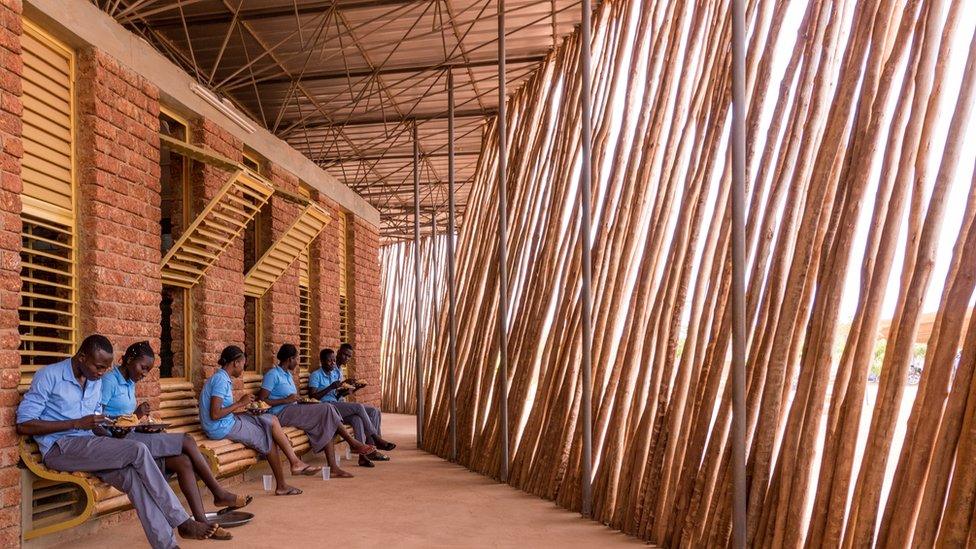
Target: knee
(188, 442)
(179, 463)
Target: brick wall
(118, 205)
(281, 303)
(218, 300)
(325, 273)
(366, 306)
(11, 152)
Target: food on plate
(128, 420)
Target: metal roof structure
(344, 81)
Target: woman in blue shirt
(223, 417)
(319, 420)
(178, 451)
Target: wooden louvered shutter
(343, 251)
(48, 307)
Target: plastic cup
(268, 482)
(326, 473)
(348, 453)
(338, 456)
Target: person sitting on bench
(178, 451)
(321, 421)
(328, 385)
(61, 410)
(223, 417)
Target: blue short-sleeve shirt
(219, 385)
(279, 383)
(56, 395)
(320, 379)
(118, 393)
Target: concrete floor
(415, 500)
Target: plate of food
(120, 426)
(151, 425)
(307, 400)
(258, 407)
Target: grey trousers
(365, 420)
(128, 466)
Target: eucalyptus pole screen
(860, 202)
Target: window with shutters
(254, 245)
(49, 294)
(345, 277)
(304, 301)
(175, 203)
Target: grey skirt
(319, 421)
(253, 432)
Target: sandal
(290, 492)
(237, 505)
(221, 534)
(365, 462)
(366, 449)
(308, 471)
(342, 474)
(376, 456)
(386, 447)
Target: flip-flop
(343, 474)
(308, 471)
(247, 501)
(207, 535)
(366, 450)
(365, 462)
(376, 456)
(221, 534)
(291, 492)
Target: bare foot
(340, 473)
(193, 529)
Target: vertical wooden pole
(586, 144)
(451, 296)
(502, 247)
(737, 143)
(418, 352)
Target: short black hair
(138, 350)
(325, 354)
(286, 351)
(230, 354)
(345, 347)
(95, 343)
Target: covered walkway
(417, 500)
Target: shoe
(376, 456)
(365, 462)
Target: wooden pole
(737, 143)
(418, 352)
(502, 249)
(586, 145)
(451, 292)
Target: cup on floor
(348, 454)
(326, 473)
(338, 456)
(268, 483)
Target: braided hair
(138, 350)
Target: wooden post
(451, 292)
(502, 248)
(418, 352)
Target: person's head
(94, 356)
(232, 360)
(344, 355)
(287, 356)
(328, 359)
(138, 360)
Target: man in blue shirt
(62, 409)
(328, 385)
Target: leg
(281, 441)
(282, 488)
(188, 484)
(334, 469)
(128, 466)
(222, 496)
(358, 429)
(356, 446)
(376, 417)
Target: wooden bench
(62, 500)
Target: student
(63, 407)
(221, 417)
(178, 451)
(327, 384)
(320, 421)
